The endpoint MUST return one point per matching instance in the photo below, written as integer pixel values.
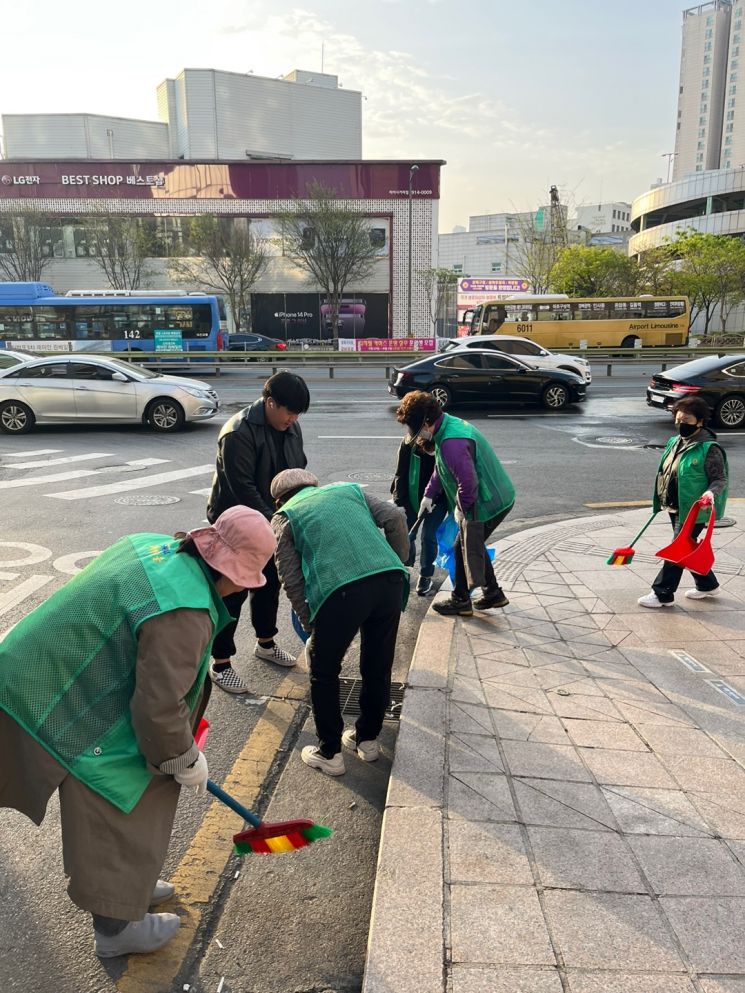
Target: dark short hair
(693, 405)
(288, 390)
(418, 408)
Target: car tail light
(281, 346)
(684, 388)
(220, 341)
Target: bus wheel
(555, 396)
(165, 415)
(628, 341)
(730, 412)
(16, 417)
(442, 395)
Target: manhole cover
(615, 440)
(372, 477)
(147, 500)
(349, 698)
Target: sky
(516, 97)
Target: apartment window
(732, 90)
(728, 164)
(705, 85)
(702, 132)
(702, 120)
(738, 25)
(735, 39)
(707, 59)
(707, 46)
(731, 102)
(704, 107)
(730, 127)
(457, 267)
(496, 267)
(700, 146)
(730, 115)
(709, 33)
(699, 168)
(700, 157)
(735, 51)
(707, 71)
(709, 21)
(734, 64)
(728, 140)
(733, 77)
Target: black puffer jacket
(400, 485)
(247, 462)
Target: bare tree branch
(25, 245)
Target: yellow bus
(594, 322)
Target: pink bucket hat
(239, 544)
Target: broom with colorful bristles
(263, 838)
(622, 556)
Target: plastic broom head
(621, 556)
(274, 839)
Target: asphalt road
(298, 923)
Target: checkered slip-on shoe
(276, 654)
(227, 679)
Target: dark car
(717, 379)
(249, 342)
(486, 376)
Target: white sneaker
(650, 600)
(147, 935)
(695, 594)
(311, 755)
(227, 679)
(161, 892)
(368, 751)
(276, 654)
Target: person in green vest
(477, 489)
(693, 466)
(342, 577)
(101, 688)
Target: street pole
(412, 170)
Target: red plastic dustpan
(685, 551)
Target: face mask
(686, 430)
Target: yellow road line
(198, 873)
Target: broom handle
(228, 800)
(415, 527)
(654, 514)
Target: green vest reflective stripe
(692, 481)
(67, 670)
(415, 471)
(337, 540)
(496, 492)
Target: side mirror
(119, 377)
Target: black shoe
(492, 598)
(425, 586)
(454, 607)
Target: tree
(582, 271)
(330, 243)
(711, 273)
(657, 271)
(121, 247)
(26, 239)
(438, 285)
(535, 253)
(228, 258)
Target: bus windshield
(32, 319)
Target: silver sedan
(99, 390)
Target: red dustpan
(685, 551)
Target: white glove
(459, 516)
(425, 507)
(196, 775)
(707, 498)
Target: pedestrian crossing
(49, 472)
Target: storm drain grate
(349, 698)
(147, 500)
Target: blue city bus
(34, 318)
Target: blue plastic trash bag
(447, 534)
(299, 631)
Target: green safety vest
(692, 480)
(67, 670)
(337, 540)
(415, 471)
(495, 490)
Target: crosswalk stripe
(59, 477)
(132, 484)
(63, 461)
(11, 598)
(205, 492)
(25, 455)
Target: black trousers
(460, 586)
(371, 606)
(264, 606)
(668, 578)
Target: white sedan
(527, 351)
(98, 390)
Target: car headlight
(199, 394)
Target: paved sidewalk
(567, 804)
